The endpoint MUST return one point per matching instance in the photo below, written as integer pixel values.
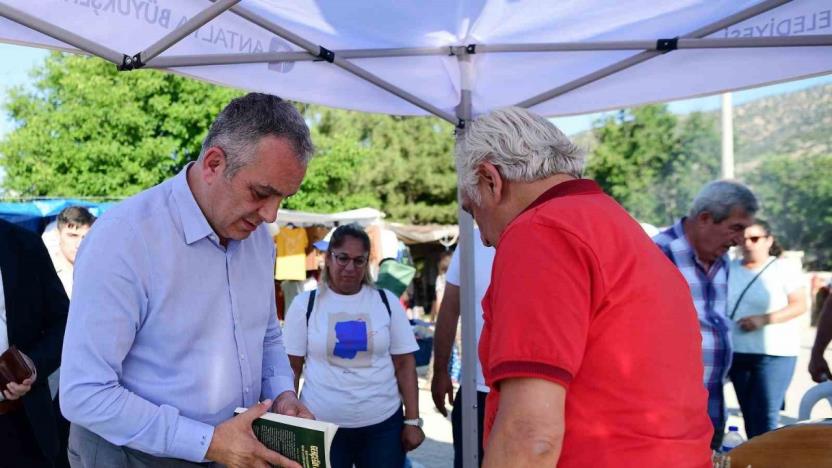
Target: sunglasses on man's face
(343, 260)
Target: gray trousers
(89, 450)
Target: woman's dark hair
(348, 230)
(776, 249)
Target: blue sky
(16, 62)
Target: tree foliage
(653, 162)
(796, 198)
(85, 129)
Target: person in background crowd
(698, 246)
(579, 300)
(33, 311)
(765, 297)
(443, 341)
(74, 223)
(818, 367)
(357, 348)
(174, 323)
(439, 287)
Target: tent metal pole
(264, 57)
(60, 34)
(342, 63)
(188, 27)
(227, 59)
(647, 55)
(468, 298)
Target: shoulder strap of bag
(384, 300)
(747, 286)
(310, 305)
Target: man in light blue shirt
(172, 321)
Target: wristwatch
(418, 422)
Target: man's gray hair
(246, 120)
(523, 145)
(720, 197)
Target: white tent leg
(647, 55)
(342, 63)
(467, 305)
(188, 27)
(60, 34)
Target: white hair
(719, 197)
(524, 146)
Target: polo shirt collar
(194, 224)
(564, 189)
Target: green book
(305, 441)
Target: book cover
(305, 441)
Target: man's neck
(525, 193)
(196, 186)
(690, 235)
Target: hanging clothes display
(291, 245)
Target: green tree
(633, 150)
(654, 162)
(796, 198)
(86, 129)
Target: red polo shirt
(581, 296)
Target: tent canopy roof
(558, 58)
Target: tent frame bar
(186, 28)
(342, 63)
(60, 34)
(647, 55)
(641, 45)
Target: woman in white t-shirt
(765, 297)
(357, 347)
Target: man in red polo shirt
(591, 343)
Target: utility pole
(727, 137)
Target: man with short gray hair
(579, 299)
(173, 322)
(697, 245)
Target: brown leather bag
(13, 367)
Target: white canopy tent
(450, 58)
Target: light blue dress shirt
(169, 331)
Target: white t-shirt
(769, 293)
(483, 258)
(349, 377)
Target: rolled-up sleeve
(108, 304)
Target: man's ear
(213, 164)
(705, 218)
(491, 181)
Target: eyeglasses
(755, 239)
(343, 260)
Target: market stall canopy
(430, 56)
(35, 215)
(362, 216)
(411, 234)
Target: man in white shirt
(73, 223)
(443, 339)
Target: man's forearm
(446, 324)
(824, 334)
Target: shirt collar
(563, 189)
(194, 224)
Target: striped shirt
(709, 290)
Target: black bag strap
(384, 300)
(747, 287)
(310, 305)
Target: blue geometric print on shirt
(351, 337)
